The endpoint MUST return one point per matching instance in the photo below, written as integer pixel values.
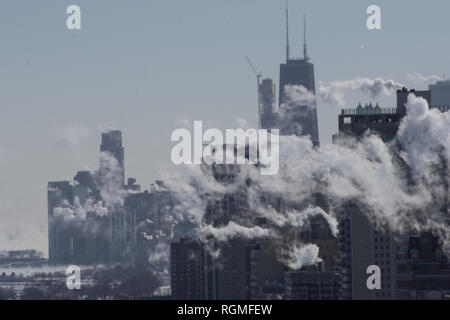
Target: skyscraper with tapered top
(295, 118)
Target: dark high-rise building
(440, 92)
(59, 194)
(232, 270)
(266, 272)
(296, 119)
(188, 279)
(362, 244)
(112, 143)
(423, 270)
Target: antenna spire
(287, 31)
(305, 47)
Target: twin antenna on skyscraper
(305, 49)
(305, 57)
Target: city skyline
(27, 162)
(138, 161)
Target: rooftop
(368, 109)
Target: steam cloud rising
(333, 93)
(400, 184)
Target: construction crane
(258, 83)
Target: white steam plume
(333, 93)
(301, 256)
(368, 170)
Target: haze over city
(147, 67)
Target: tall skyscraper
(295, 118)
(59, 194)
(268, 112)
(187, 270)
(362, 244)
(112, 144)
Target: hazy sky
(142, 66)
